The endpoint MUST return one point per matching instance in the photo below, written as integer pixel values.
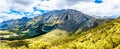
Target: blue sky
(98, 1)
(14, 9)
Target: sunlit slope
(51, 36)
(40, 40)
(106, 36)
(6, 34)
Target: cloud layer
(14, 9)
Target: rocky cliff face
(68, 20)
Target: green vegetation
(106, 36)
(5, 32)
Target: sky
(15, 9)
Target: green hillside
(106, 36)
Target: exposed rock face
(69, 19)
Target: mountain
(14, 23)
(67, 19)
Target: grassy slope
(51, 36)
(5, 34)
(106, 36)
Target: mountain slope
(106, 36)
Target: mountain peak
(67, 19)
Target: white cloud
(9, 16)
(107, 8)
(19, 5)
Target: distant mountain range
(107, 17)
(14, 23)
